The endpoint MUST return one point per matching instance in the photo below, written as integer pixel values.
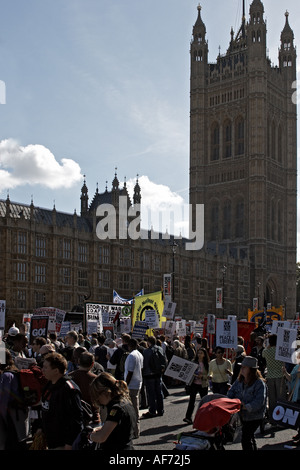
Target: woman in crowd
(200, 382)
(118, 430)
(250, 388)
(220, 369)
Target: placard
(226, 333)
(181, 369)
(286, 345)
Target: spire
(199, 30)
(84, 198)
(137, 192)
(115, 183)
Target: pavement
(161, 432)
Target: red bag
(32, 382)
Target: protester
(179, 349)
(18, 345)
(257, 352)
(118, 430)
(294, 379)
(14, 422)
(83, 377)
(250, 388)
(101, 352)
(199, 383)
(57, 343)
(62, 415)
(35, 349)
(119, 357)
(220, 372)
(112, 347)
(153, 382)
(134, 378)
(190, 348)
(237, 358)
(275, 380)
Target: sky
(90, 88)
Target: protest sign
(38, 327)
(152, 319)
(226, 333)
(181, 369)
(286, 345)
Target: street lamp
(258, 286)
(223, 270)
(173, 246)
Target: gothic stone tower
(243, 154)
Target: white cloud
(35, 165)
(162, 209)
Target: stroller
(216, 423)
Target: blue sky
(94, 85)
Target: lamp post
(258, 286)
(223, 270)
(174, 246)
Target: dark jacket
(62, 416)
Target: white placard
(151, 318)
(286, 345)
(181, 369)
(211, 324)
(170, 328)
(226, 333)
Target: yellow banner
(153, 301)
(271, 314)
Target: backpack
(31, 383)
(157, 362)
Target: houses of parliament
(243, 169)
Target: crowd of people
(93, 388)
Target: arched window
(227, 220)
(215, 141)
(279, 221)
(273, 141)
(227, 137)
(239, 219)
(273, 220)
(279, 144)
(239, 136)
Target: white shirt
(134, 363)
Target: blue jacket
(253, 398)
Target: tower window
(227, 132)
(215, 141)
(239, 136)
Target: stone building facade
(243, 152)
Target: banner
(106, 313)
(117, 299)
(153, 301)
(168, 287)
(219, 297)
(55, 317)
(287, 414)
